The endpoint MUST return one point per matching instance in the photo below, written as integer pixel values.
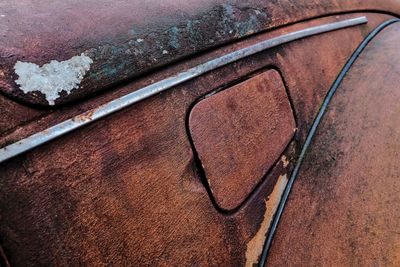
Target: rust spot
(87, 116)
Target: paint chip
(256, 244)
(54, 77)
(165, 52)
(285, 161)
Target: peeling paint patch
(209, 185)
(255, 246)
(285, 161)
(52, 78)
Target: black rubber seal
(311, 135)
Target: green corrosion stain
(248, 27)
(239, 23)
(174, 37)
(144, 50)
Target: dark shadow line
(311, 135)
(289, 95)
(3, 258)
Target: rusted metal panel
(160, 86)
(240, 133)
(126, 186)
(56, 116)
(344, 207)
(13, 115)
(97, 44)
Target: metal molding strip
(113, 106)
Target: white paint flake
(54, 77)
(165, 52)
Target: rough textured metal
(240, 133)
(150, 90)
(311, 134)
(125, 187)
(344, 207)
(131, 37)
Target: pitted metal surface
(127, 38)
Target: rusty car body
(199, 133)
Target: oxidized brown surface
(308, 88)
(130, 37)
(125, 189)
(239, 133)
(344, 209)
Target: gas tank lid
(239, 133)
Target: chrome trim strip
(113, 106)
